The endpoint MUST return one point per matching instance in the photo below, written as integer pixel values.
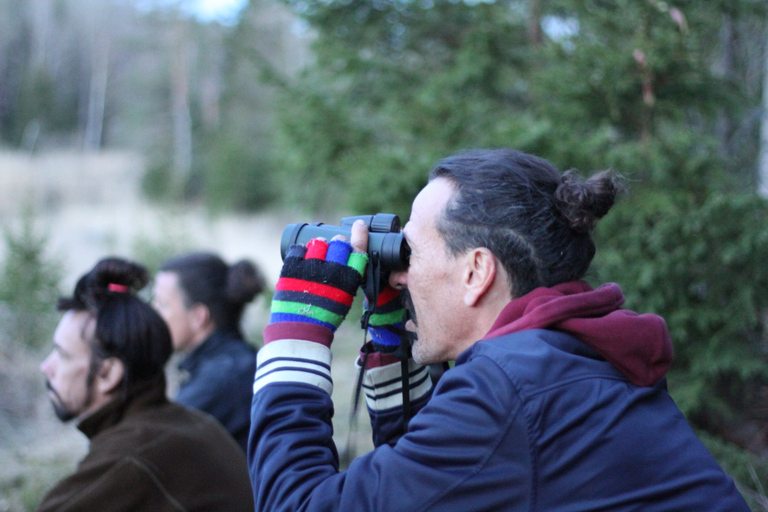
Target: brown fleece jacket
(148, 454)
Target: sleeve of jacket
(455, 456)
(383, 388)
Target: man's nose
(45, 366)
(398, 279)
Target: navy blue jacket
(219, 376)
(529, 421)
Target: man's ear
(479, 274)
(110, 375)
(200, 317)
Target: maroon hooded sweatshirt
(639, 346)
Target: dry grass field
(90, 206)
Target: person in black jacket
(202, 299)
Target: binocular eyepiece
(386, 245)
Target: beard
(59, 409)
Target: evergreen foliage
(700, 264)
(397, 86)
(29, 285)
(237, 176)
(236, 164)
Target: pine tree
(29, 285)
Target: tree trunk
(182, 119)
(535, 36)
(41, 28)
(763, 156)
(728, 72)
(97, 95)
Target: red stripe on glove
(386, 295)
(299, 285)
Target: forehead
(72, 331)
(167, 284)
(428, 206)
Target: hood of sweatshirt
(639, 346)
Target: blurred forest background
(319, 108)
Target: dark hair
(126, 326)
(535, 221)
(205, 278)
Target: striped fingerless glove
(313, 295)
(317, 286)
(386, 322)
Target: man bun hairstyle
(126, 327)
(204, 278)
(535, 221)
(582, 202)
(244, 282)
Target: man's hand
(386, 322)
(359, 237)
(318, 282)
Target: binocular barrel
(384, 237)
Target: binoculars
(386, 245)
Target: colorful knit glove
(318, 283)
(386, 323)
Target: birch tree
(99, 52)
(763, 158)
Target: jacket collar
(206, 348)
(142, 396)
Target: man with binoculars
(557, 400)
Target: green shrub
(29, 284)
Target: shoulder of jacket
(539, 360)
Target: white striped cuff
(294, 361)
(383, 386)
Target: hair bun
(582, 202)
(244, 281)
(93, 289)
(119, 272)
